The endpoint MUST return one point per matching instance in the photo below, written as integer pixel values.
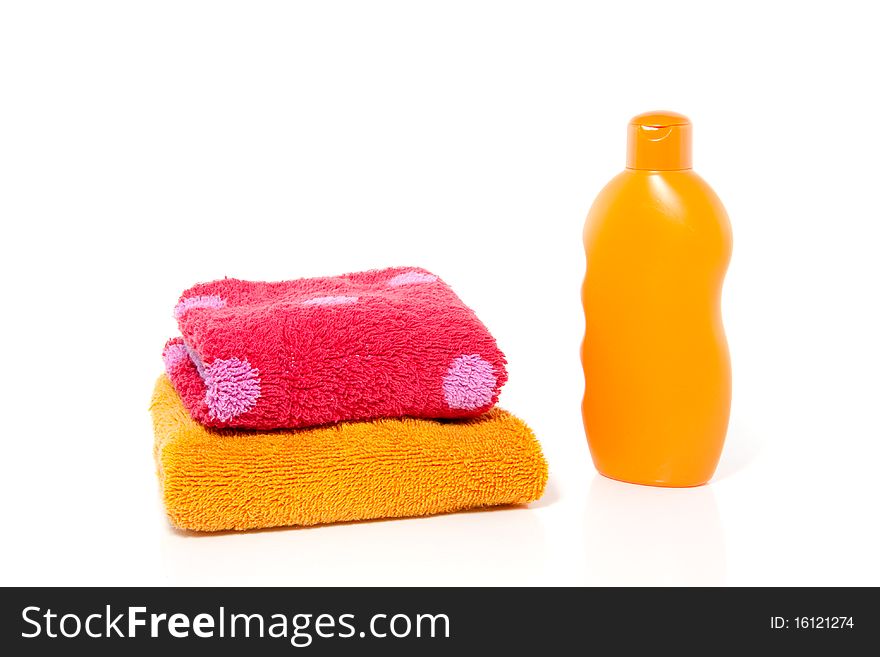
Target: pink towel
(390, 343)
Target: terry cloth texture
(388, 343)
(215, 479)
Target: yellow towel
(226, 479)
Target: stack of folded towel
(368, 395)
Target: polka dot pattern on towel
(232, 388)
(469, 383)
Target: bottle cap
(659, 141)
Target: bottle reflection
(648, 536)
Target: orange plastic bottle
(656, 365)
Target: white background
(147, 146)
